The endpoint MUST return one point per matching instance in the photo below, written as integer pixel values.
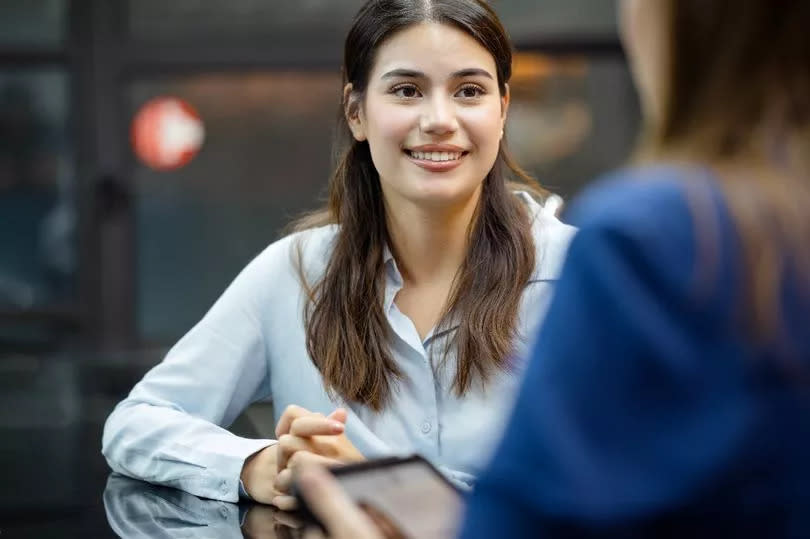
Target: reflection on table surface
(138, 509)
(52, 412)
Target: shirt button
(426, 426)
(223, 487)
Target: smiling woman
(404, 302)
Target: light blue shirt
(251, 346)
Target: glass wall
(328, 20)
(37, 201)
(536, 21)
(239, 21)
(37, 23)
(268, 131)
(571, 118)
(264, 77)
(265, 159)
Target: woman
(686, 410)
(404, 301)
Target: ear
(354, 114)
(505, 100)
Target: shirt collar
(542, 220)
(393, 284)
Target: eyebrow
(412, 74)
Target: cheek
(390, 126)
(484, 125)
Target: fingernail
(337, 425)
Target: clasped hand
(304, 437)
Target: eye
(405, 91)
(470, 91)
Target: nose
(438, 116)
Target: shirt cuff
(243, 494)
(230, 463)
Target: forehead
(433, 48)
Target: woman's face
(432, 115)
(642, 29)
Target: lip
(437, 148)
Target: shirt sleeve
(135, 509)
(463, 480)
(628, 405)
(170, 429)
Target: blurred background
(149, 149)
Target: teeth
(436, 156)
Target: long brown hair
(347, 330)
(737, 96)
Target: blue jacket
(647, 410)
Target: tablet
(409, 492)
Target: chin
(439, 194)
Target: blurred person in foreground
(673, 395)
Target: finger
(340, 414)
(339, 515)
(285, 502)
(291, 413)
(283, 481)
(307, 458)
(288, 445)
(266, 494)
(312, 425)
(386, 526)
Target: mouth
(436, 157)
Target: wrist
(255, 471)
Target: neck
(430, 244)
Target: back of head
(737, 81)
(736, 96)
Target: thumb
(339, 414)
(336, 511)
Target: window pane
(532, 19)
(266, 157)
(240, 20)
(38, 232)
(32, 22)
(571, 118)
(328, 20)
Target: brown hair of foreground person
(760, 129)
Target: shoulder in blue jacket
(644, 400)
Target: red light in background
(167, 133)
